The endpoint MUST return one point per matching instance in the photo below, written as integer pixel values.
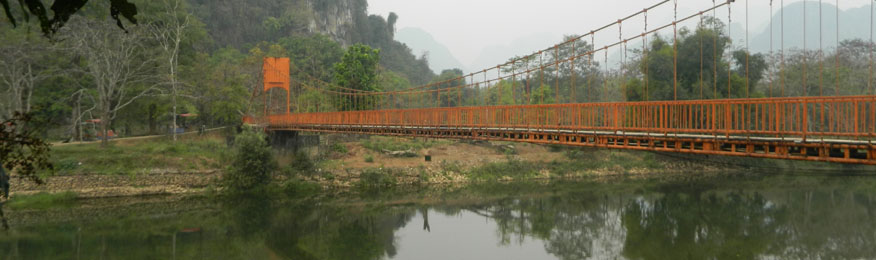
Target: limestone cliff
(335, 19)
(239, 24)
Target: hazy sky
(467, 27)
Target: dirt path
(135, 138)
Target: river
(684, 216)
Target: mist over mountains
(820, 30)
(421, 42)
(853, 24)
(441, 58)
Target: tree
(313, 55)
(63, 10)
(116, 63)
(357, 70)
(253, 162)
(702, 69)
(752, 66)
(22, 68)
(22, 151)
(224, 96)
(447, 81)
(542, 95)
(169, 32)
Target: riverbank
(159, 166)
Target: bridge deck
(826, 149)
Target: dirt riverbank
(451, 162)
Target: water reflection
(706, 218)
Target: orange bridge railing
(801, 117)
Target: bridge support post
(284, 139)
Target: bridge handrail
(806, 117)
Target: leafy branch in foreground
(63, 10)
(21, 151)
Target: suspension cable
(772, 58)
(805, 60)
(837, 54)
(572, 99)
(623, 54)
(701, 32)
(715, 50)
(820, 50)
(605, 78)
(675, 51)
(747, 52)
(645, 54)
(557, 79)
(589, 63)
(782, 53)
(729, 78)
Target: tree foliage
(65, 9)
(252, 164)
(22, 151)
(357, 70)
(701, 70)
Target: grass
(369, 158)
(42, 200)
(140, 156)
(339, 148)
(381, 143)
(513, 168)
(578, 160)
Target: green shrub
(339, 148)
(252, 163)
(447, 167)
(376, 178)
(301, 164)
(369, 158)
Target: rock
(407, 153)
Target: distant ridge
(854, 23)
(440, 58)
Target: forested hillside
(189, 63)
(242, 24)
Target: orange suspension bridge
(564, 95)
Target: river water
(728, 216)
